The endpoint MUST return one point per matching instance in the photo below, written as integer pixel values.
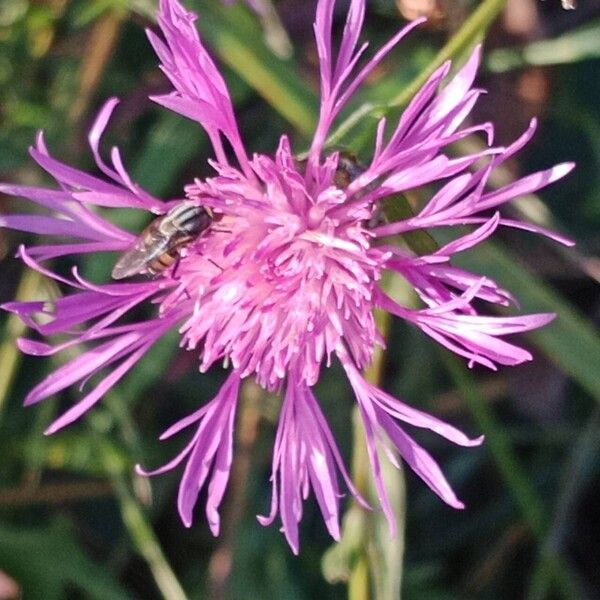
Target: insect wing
(137, 258)
(164, 235)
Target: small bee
(348, 169)
(160, 244)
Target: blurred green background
(76, 522)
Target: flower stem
(473, 29)
(358, 584)
(145, 540)
(135, 519)
(366, 571)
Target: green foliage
(49, 560)
(126, 541)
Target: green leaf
(498, 443)
(47, 560)
(572, 47)
(238, 40)
(172, 142)
(528, 501)
(340, 559)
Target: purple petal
(214, 430)
(399, 410)
(525, 185)
(200, 91)
(98, 392)
(47, 226)
(458, 87)
(79, 367)
(305, 456)
(47, 251)
(472, 239)
(419, 461)
(378, 411)
(220, 476)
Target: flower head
(287, 275)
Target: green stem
(137, 524)
(361, 579)
(358, 584)
(473, 30)
(144, 539)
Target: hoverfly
(160, 244)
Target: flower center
(297, 270)
(316, 214)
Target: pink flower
(286, 277)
